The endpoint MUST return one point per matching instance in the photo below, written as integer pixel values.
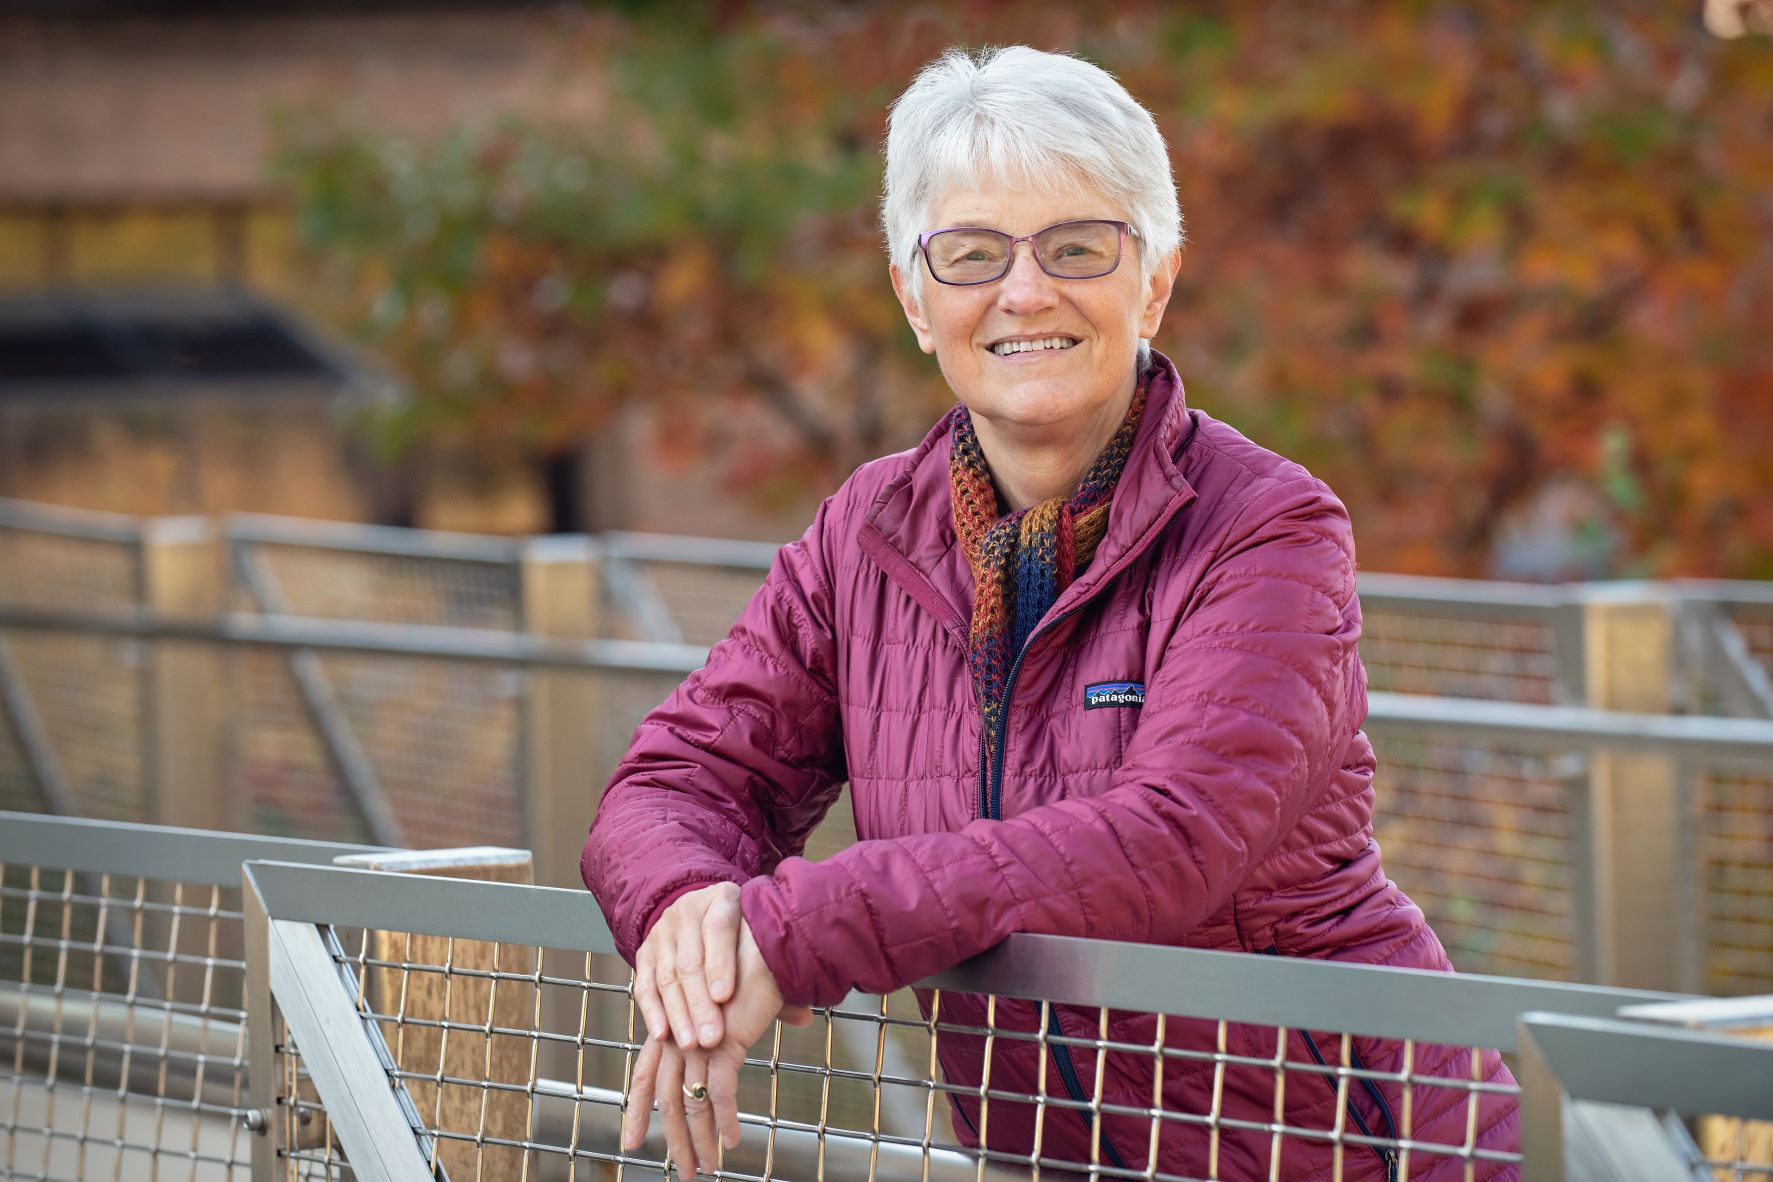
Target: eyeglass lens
(1070, 250)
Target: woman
(1086, 658)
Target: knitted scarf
(1022, 562)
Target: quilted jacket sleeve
(1244, 722)
(731, 773)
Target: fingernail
(656, 1029)
(730, 1141)
(710, 1032)
(721, 985)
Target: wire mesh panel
(392, 588)
(701, 600)
(1735, 1151)
(307, 1145)
(19, 790)
(438, 740)
(900, 1087)
(464, 1023)
(443, 740)
(280, 772)
(1510, 660)
(1484, 840)
(1734, 877)
(84, 691)
(123, 1014)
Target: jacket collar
(909, 530)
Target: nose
(1026, 288)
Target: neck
(1031, 464)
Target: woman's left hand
(694, 1129)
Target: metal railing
(122, 982)
(1619, 1100)
(330, 1022)
(402, 687)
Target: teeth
(1005, 348)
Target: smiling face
(981, 335)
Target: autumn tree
(1464, 260)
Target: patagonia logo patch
(1114, 693)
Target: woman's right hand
(684, 970)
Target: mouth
(1053, 344)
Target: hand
(683, 971)
(663, 1066)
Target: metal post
(1637, 824)
(563, 769)
(1542, 1112)
(561, 763)
(261, 1034)
(182, 577)
(422, 998)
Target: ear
(1157, 293)
(914, 314)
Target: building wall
(187, 454)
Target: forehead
(1019, 209)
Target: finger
(682, 1027)
(640, 1095)
(699, 1114)
(797, 1015)
(646, 994)
(720, 945)
(723, 1092)
(692, 978)
(670, 1098)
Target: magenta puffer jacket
(1182, 764)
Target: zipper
(1387, 1156)
(1074, 1087)
(991, 773)
(991, 806)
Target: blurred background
(1499, 272)
(359, 361)
(398, 398)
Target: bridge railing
(1574, 780)
(235, 1007)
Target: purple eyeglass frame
(1009, 257)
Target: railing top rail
(1456, 1009)
(691, 551)
(66, 522)
(1426, 594)
(1711, 1013)
(1699, 737)
(1391, 592)
(358, 538)
(481, 645)
(1729, 592)
(1622, 1062)
(151, 851)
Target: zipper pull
(1391, 1165)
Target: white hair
(1030, 120)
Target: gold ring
(696, 1091)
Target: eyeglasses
(965, 255)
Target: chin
(1034, 404)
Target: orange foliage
(1453, 257)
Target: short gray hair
(1023, 117)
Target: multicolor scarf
(1022, 562)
